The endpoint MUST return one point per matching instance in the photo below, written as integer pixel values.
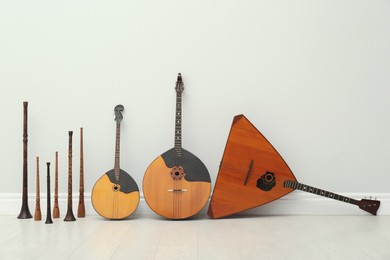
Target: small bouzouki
(252, 173)
(116, 195)
(177, 184)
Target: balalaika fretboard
(303, 187)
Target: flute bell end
(69, 216)
(24, 212)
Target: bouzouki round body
(177, 184)
(116, 194)
(114, 199)
(176, 191)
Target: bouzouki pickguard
(126, 182)
(194, 168)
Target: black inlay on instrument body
(194, 168)
(125, 181)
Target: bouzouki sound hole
(116, 187)
(177, 173)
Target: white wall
(312, 76)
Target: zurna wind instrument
(69, 214)
(81, 207)
(56, 208)
(25, 211)
(48, 211)
(37, 214)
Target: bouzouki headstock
(179, 84)
(371, 206)
(118, 113)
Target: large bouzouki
(177, 184)
(253, 173)
(116, 195)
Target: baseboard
(292, 204)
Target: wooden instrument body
(116, 194)
(176, 198)
(251, 173)
(56, 208)
(48, 211)
(177, 184)
(81, 207)
(115, 199)
(25, 211)
(38, 214)
(69, 213)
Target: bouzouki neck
(370, 206)
(178, 115)
(118, 118)
(117, 149)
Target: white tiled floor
(241, 237)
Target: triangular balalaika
(251, 173)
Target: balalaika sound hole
(116, 187)
(177, 173)
(266, 182)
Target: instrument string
(112, 205)
(178, 198)
(116, 205)
(174, 201)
